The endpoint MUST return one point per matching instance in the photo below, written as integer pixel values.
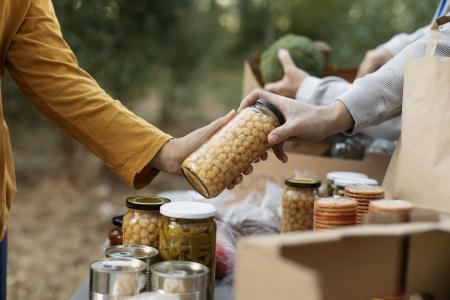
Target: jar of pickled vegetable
(298, 204)
(228, 153)
(142, 221)
(188, 233)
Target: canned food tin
(116, 278)
(187, 280)
(147, 254)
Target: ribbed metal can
(116, 278)
(147, 254)
(187, 280)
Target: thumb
(280, 134)
(214, 126)
(286, 60)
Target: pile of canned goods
(181, 262)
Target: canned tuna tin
(187, 280)
(116, 278)
(147, 254)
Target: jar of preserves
(228, 153)
(298, 204)
(341, 183)
(142, 221)
(115, 235)
(188, 233)
(332, 176)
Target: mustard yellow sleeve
(47, 72)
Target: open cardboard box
(350, 264)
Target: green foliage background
(187, 55)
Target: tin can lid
(146, 203)
(179, 269)
(302, 182)
(273, 109)
(343, 182)
(125, 265)
(131, 251)
(188, 210)
(331, 176)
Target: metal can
(187, 280)
(188, 233)
(116, 278)
(147, 254)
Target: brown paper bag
(420, 167)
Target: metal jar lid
(117, 221)
(142, 252)
(302, 182)
(273, 109)
(180, 277)
(146, 203)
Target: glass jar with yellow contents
(188, 233)
(142, 221)
(298, 204)
(230, 151)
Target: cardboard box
(374, 165)
(351, 264)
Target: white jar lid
(343, 182)
(188, 210)
(331, 176)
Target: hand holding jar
(230, 152)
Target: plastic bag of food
(225, 249)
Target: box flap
(352, 263)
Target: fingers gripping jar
(188, 233)
(229, 152)
(298, 204)
(142, 221)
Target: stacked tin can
(187, 280)
(144, 253)
(116, 278)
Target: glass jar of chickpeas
(188, 232)
(142, 221)
(230, 152)
(298, 204)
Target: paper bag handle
(434, 35)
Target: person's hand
(292, 80)
(303, 122)
(175, 151)
(373, 60)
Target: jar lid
(117, 220)
(343, 182)
(334, 175)
(302, 182)
(188, 210)
(146, 203)
(273, 109)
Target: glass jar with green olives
(188, 233)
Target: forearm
(397, 43)
(321, 91)
(378, 96)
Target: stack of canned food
(168, 247)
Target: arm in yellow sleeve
(47, 72)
